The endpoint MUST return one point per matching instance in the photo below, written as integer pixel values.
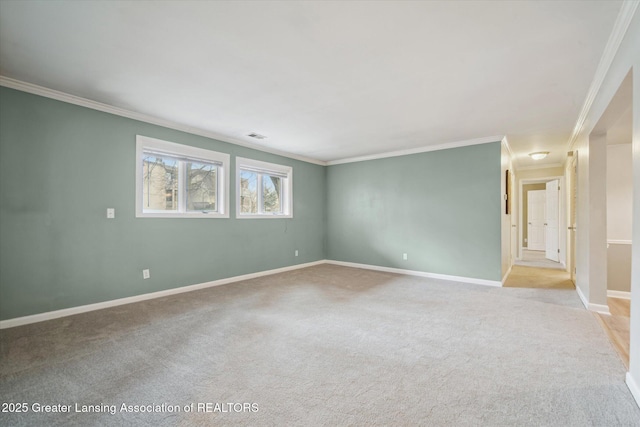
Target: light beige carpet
(532, 277)
(326, 345)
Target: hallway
(616, 325)
(537, 259)
(535, 277)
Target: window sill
(195, 215)
(265, 216)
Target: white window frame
(144, 143)
(266, 168)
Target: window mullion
(259, 191)
(260, 207)
(182, 186)
(219, 206)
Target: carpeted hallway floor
(326, 345)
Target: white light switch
(146, 274)
(405, 257)
(111, 213)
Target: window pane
(271, 193)
(202, 185)
(160, 183)
(248, 192)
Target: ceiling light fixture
(539, 155)
(257, 136)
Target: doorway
(611, 217)
(541, 217)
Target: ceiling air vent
(257, 136)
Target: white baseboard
(582, 297)
(634, 388)
(598, 308)
(619, 294)
(418, 273)
(619, 242)
(40, 317)
(504, 278)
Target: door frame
(562, 224)
(571, 195)
(555, 191)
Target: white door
(535, 219)
(552, 218)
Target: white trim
(620, 27)
(417, 150)
(40, 317)
(504, 278)
(417, 273)
(520, 220)
(598, 308)
(618, 242)
(266, 167)
(146, 118)
(50, 315)
(172, 148)
(582, 297)
(94, 105)
(633, 387)
(619, 294)
(505, 141)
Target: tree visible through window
(178, 180)
(202, 186)
(271, 186)
(160, 183)
(264, 189)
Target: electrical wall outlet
(405, 257)
(296, 252)
(146, 274)
(111, 213)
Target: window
(264, 190)
(174, 180)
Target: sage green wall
(62, 166)
(442, 208)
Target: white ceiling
(325, 80)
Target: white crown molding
(50, 315)
(505, 141)
(620, 27)
(547, 166)
(94, 105)
(417, 150)
(461, 279)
